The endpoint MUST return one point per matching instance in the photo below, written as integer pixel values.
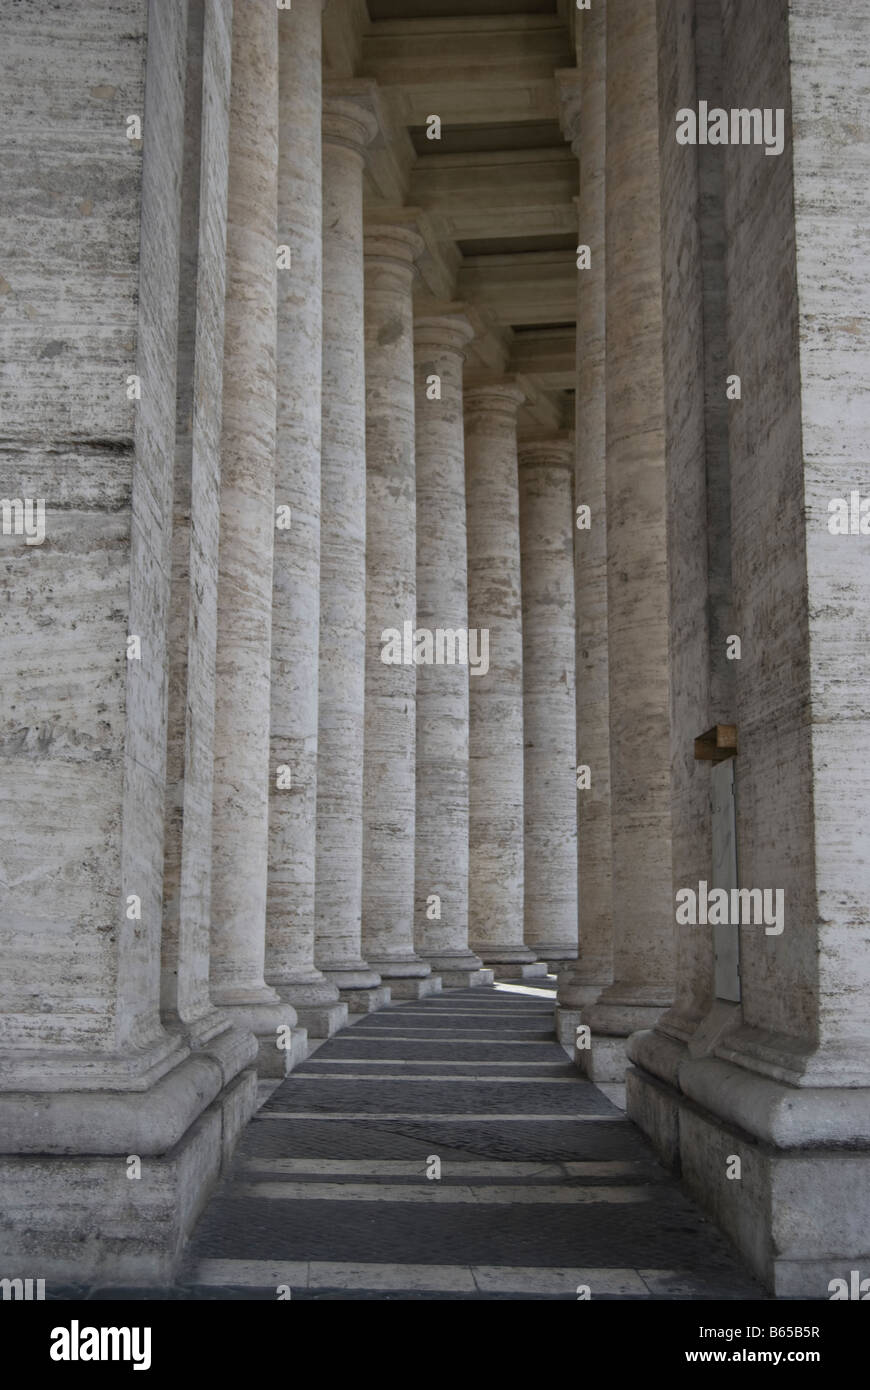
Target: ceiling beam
(488, 69)
(516, 193)
(547, 356)
(535, 287)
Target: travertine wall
(185, 942)
(91, 299)
(391, 601)
(290, 933)
(549, 698)
(165, 383)
(637, 566)
(774, 773)
(582, 983)
(692, 414)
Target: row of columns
(379, 828)
(623, 979)
(711, 591)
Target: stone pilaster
(242, 771)
(793, 1068)
(391, 609)
(697, 412)
(185, 942)
(88, 1074)
(637, 569)
(441, 852)
(348, 126)
(584, 122)
(290, 967)
(496, 858)
(549, 708)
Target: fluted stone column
(290, 967)
(496, 854)
(391, 603)
(89, 1073)
(185, 1001)
(549, 711)
(441, 851)
(242, 771)
(348, 126)
(584, 122)
(637, 565)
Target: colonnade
(307, 824)
(253, 794)
(712, 617)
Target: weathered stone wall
(831, 130)
(90, 297)
(774, 777)
(193, 622)
(685, 352)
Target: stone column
(290, 967)
(549, 709)
(441, 851)
(185, 944)
(88, 1073)
(793, 1069)
(584, 120)
(697, 414)
(348, 126)
(242, 771)
(391, 608)
(496, 857)
(637, 568)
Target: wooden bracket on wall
(717, 744)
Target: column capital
(496, 395)
(391, 240)
(450, 330)
(556, 451)
(351, 114)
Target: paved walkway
(544, 1185)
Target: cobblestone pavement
(544, 1184)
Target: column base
(406, 975)
(557, 957)
(460, 969)
(519, 970)
(605, 1060)
(80, 1219)
(572, 993)
(353, 974)
(366, 1001)
(408, 988)
(323, 1020)
(612, 1021)
(466, 979)
(359, 986)
(566, 1026)
(799, 1211)
(506, 954)
(281, 1044)
(316, 1001)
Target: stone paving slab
(444, 1096)
(376, 1138)
(330, 1180)
(659, 1231)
